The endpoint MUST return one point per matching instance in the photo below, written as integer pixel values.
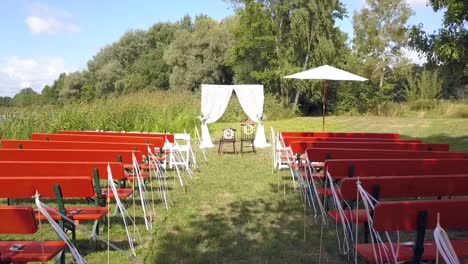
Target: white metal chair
(281, 152)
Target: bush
(162, 111)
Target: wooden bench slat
(33, 251)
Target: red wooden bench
(124, 156)
(20, 220)
(399, 187)
(417, 216)
(342, 134)
(343, 168)
(156, 141)
(289, 140)
(300, 147)
(97, 170)
(57, 187)
(322, 154)
(42, 144)
(168, 137)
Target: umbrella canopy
(325, 73)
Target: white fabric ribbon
(121, 207)
(43, 210)
(142, 191)
(444, 246)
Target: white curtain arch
(214, 101)
(251, 98)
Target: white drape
(214, 101)
(251, 99)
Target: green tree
(446, 49)
(26, 97)
(72, 86)
(199, 56)
(275, 38)
(379, 35)
(5, 101)
(50, 94)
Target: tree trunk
(381, 80)
(296, 98)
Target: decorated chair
(229, 136)
(247, 136)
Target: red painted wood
(341, 134)
(340, 168)
(42, 144)
(321, 154)
(169, 137)
(17, 220)
(25, 187)
(54, 168)
(407, 186)
(69, 155)
(156, 141)
(289, 140)
(300, 147)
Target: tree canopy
(267, 39)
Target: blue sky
(43, 38)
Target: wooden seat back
(70, 155)
(405, 215)
(42, 144)
(158, 142)
(168, 137)
(26, 186)
(289, 140)
(406, 186)
(17, 220)
(300, 147)
(54, 168)
(341, 135)
(342, 168)
(322, 154)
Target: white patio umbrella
(325, 73)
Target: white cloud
(17, 73)
(46, 20)
(414, 56)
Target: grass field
(236, 210)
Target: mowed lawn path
(236, 210)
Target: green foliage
(268, 39)
(198, 56)
(160, 111)
(72, 86)
(25, 97)
(380, 33)
(277, 38)
(446, 49)
(426, 86)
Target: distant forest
(268, 39)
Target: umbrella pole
(324, 97)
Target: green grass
(237, 211)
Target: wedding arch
(215, 99)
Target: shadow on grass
(456, 143)
(248, 231)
